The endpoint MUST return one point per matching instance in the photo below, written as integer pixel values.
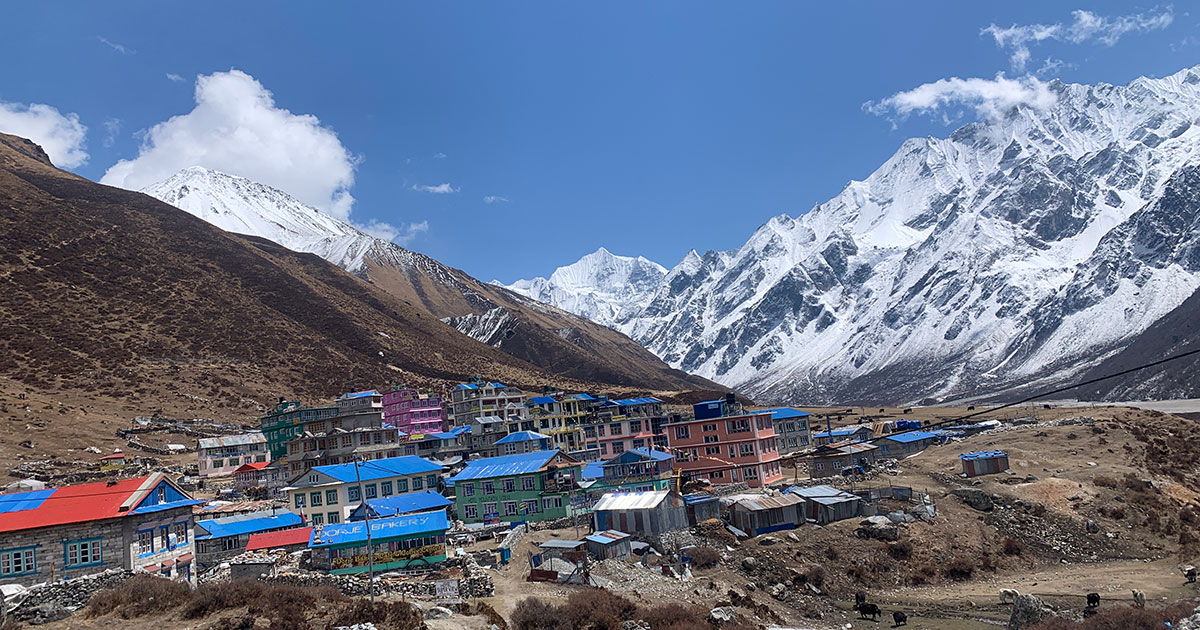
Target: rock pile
(475, 582)
(55, 600)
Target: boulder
(49, 612)
(779, 591)
(723, 614)
(879, 528)
(793, 537)
(767, 541)
(438, 612)
(1027, 610)
(749, 563)
(1092, 527)
(975, 498)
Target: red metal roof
(113, 456)
(283, 538)
(252, 466)
(75, 504)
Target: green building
(525, 487)
(409, 541)
(285, 421)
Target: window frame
(25, 564)
(95, 553)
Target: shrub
(1122, 618)
(960, 568)
(532, 613)
(1104, 481)
(674, 617)
(597, 609)
(385, 615)
(1012, 547)
(901, 550)
(704, 557)
(815, 575)
(1112, 511)
(139, 595)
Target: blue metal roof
(362, 394)
(381, 530)
(607, 537)
(522, 436)
(646, 400)
(835, 433)
(236, 525)
(911, 436)
(402, 504)
(380, 468)
(541, 400)
(451, 434)
(593, 470)
(498, 385)
(785, 413)
(654, 454)
(504, 466)
(983, 455)
(160, 507)
(466, 386)
(21, 501)
(691, 499)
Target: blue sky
(646, 128)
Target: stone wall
(50, 551)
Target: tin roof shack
(414, 503)
(762, 514)
(826, 504)
(413, 540)
(115, 461)
(609, 545)
(984, 463)
(289, 540)
(852, 433)
(221, 538)
(831, 459)
(141, 524)
(701, 507)
(556, 548)
(640, 513)
(905, 444)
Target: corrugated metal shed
(765, 502)
(630, 500)
(607, 537)
(233, 440)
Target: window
(708, 428)
(318, 519)
(353, 493)
(711, 439)
(531, 506)
(741, 425)
(312, 479)
(82, 553)
(417, 483)
(181, 532)
(468, 489)
(510, 485)
(146, 541)
(385, 488)
(489, 510)
(615, 428)
(733, 450)
(488, 487)
(750, 473)
(331, 497)
(510, 449)
(510, 508)
(372, 491)
(635, 426)
(401, 486)
(819, 466)
(712, 450)
(682, 433)
(164, 537)
(527, 483)
(471, 511)
(618, 447)
(314, 499)
(18, 561)
(333, 518)
(549, 503)
(162, 494)
(746, 449)
(299, 498)
(347, 441)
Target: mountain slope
(1026, 248)
(113, 301)
(553, 339)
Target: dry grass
(1123, 618)
(596, 609)
(140, 595)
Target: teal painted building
(409, 541)
(530, 487)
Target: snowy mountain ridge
(1028, 247)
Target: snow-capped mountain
(1015, 250)
(601, 286)
(552, 339)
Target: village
(484, 491)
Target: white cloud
(1085, 26)
(237, 128)
(495, 199)
(989, 97)
(440, 189)
(439, 156)
(388, 232)
(124, 50)
(174, 77)
(112, 127)
(60, 135)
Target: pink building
(727, 448)
(412, 412)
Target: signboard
(446, 589)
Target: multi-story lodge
(791, 429)
(412, 412)
(726, 446)
(635, 470)
(623, 424)
(480, 398)
(561, 416)
(141, 524)
(357, 432)
(284, 423)
(327, 494)
(531, 486)
(221, 456)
